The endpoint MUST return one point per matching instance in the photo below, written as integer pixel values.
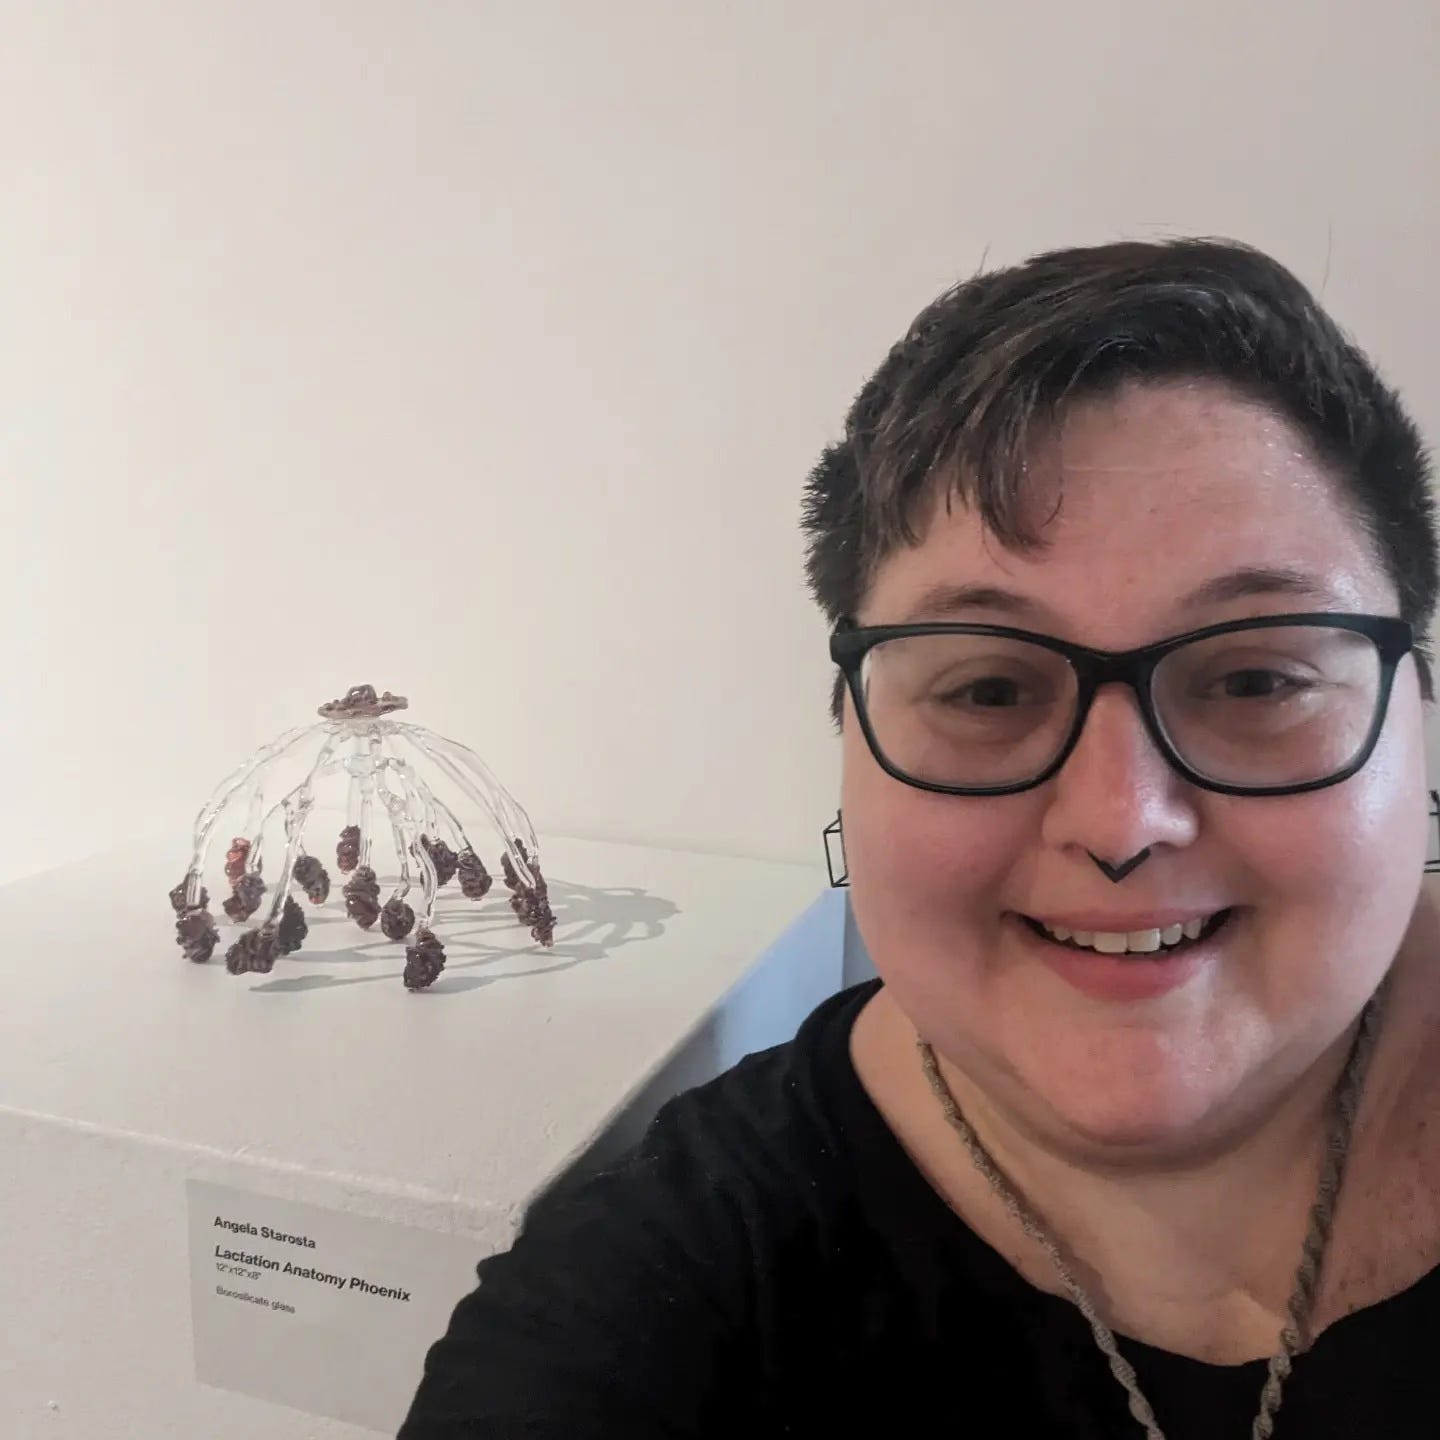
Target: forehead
(1148, 501)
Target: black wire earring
(834, 831)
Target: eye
(1258, 684)
(996, 690)
(988, 692)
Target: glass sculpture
(407, 789)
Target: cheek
(923, 864)
(1357, 842)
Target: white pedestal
(126, 1072)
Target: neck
(1213, 1232)
(1196, 1255)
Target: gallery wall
(480, 350)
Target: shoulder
(771, 1126)
(631, 1302)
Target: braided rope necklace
(1317, 1235)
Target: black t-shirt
(768, 1262)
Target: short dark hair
(994, 360)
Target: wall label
(318, 1309)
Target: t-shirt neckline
(889, 1182)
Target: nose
(1116, 794)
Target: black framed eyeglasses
(1273, 705)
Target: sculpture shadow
(591, 922)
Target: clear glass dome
(405, 796)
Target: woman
(1130, 557)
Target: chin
(1120, 1128)
(1127, 1095)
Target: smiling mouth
(1138, 944)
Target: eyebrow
(942, 600)
(1251, 580)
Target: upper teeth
(1120, 942)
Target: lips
(1129, 978)
(1148, 941)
